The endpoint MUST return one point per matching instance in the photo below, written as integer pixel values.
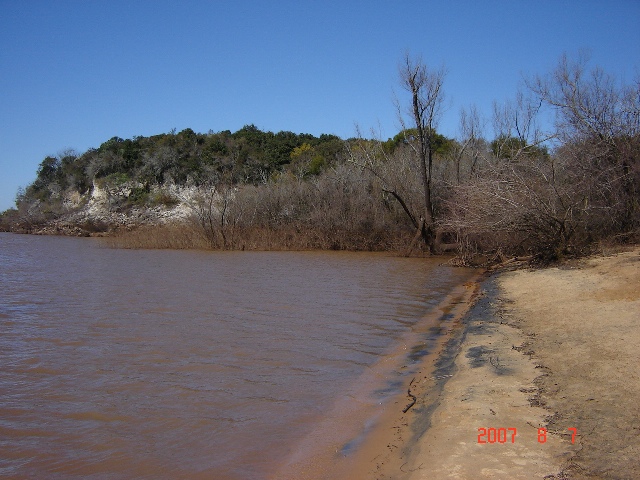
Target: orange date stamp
(508, 435)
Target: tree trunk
(419, 233)
(423, 114)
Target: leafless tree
(471, 144)
(528, 201)
(589, 104)
(212, 212)
(517, 128)
(425, 88)
(393, 172)
(598, 123)
(542, 206)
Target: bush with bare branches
(527, 201)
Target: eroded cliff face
(108, 208)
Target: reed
(189, 235)
(178, 236)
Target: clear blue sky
(75, 73)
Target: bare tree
(214, 213)
(391, 171)
(418, 121)
(589, 103)
(516, 128)
(543, 207)
(598, 122)
(471, 141)
(550, 204)
(425, 87)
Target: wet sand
(553, 349)
(556, 348)
(385, 434)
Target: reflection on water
(172, 364)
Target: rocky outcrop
(106, 209)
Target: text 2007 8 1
(508, 435)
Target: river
(192, 364)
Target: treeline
(244, 157)
(534, 189)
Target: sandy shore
(530, 374)
(539, 379)
(556, 348)
(364, 436)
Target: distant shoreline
(148, 232)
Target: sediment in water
(417, 367)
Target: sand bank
(367, 432)
(526, 350)
(558, 349)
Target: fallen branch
(414, 399)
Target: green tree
(441, 144)
(48, 170)
(511, 148)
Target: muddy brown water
(187, 364)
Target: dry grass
(178, 236)
(191, 236)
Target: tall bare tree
(598, 122)
(517, 129)
(527, 200)
(471, 142)
(425, 87)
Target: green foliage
(249, 155)
(139, 195)
(48, 170)
(307, 160)
(316, 165)
(163, 198)
(441, 144)
(116, 179)
(298, 151)
(72, 172)
(510, 148)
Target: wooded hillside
(546, 190)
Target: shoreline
(490, 389)
(415, 363)
(554, 348)
(387, 450)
